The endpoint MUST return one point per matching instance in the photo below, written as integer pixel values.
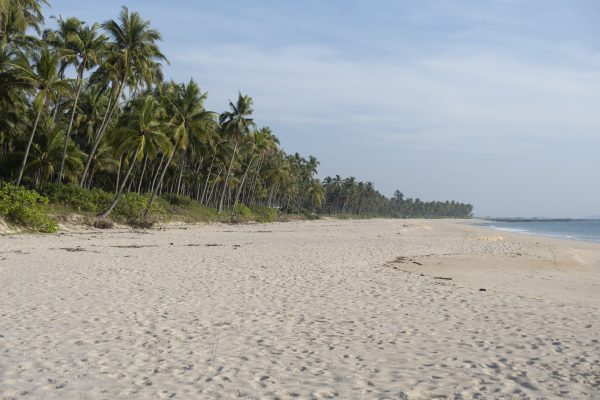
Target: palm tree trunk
(208, 176)
(162, 176)
(181, 173)
(58, 98)
(139, 188)
(107, 116)
(227, 177)
(64, 155)
(123, 184)
(239, 191)
(196, 181)
(252, 193)
(119, 172)
(24, 162)
(156, 175)
(213, 186)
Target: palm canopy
(143, 131)
(88, 44)
(16, 16)
(237, 122)
(58, 38)
(134, 48)
(42, 74)
(185, 102)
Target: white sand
(299, 310)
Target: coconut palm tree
(46, 152)
(236, 124)
(141, 133)
(88, 46)
(132, 52)
(16, 17)
(43, 76)
(186, 105)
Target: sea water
(584, 230)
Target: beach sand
(356, 309)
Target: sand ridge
(309, 310)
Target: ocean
(582, 230)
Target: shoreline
(539, 234)
(305, 309)
(532, 265)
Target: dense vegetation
(87, 118)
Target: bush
(265, 214)
(178, 200)
(241, 213)
(194, 212)
(132, 206)
(25, 208)
(92, 200)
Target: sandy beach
(356, 309)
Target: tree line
(349, 196)
(87, 104)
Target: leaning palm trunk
(227, 177)
(123, 184)
(196, 181)
(213, 187)
(139, 187)
(239, 191)
(107, 116)
(24, 162)
(68, 134)
(251, 196)
(157, 172)
(181, 174)
(207, 177)
(119, 173)
(160, 181)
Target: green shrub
(241, 213)
(131, 207)
(178, 200)
(25, 208)
(92, 200)
(193, 212)
(265, 214)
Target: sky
(491, 102)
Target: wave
(554, 234)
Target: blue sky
(492, 102)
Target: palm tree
(316, 193)
(236, 124)
(133, 51)
(88, 47)
(186, 105)
(13, 105)
(42, 75)
(142, 132)
(45, 154)
(267, 144)
(16, 16)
